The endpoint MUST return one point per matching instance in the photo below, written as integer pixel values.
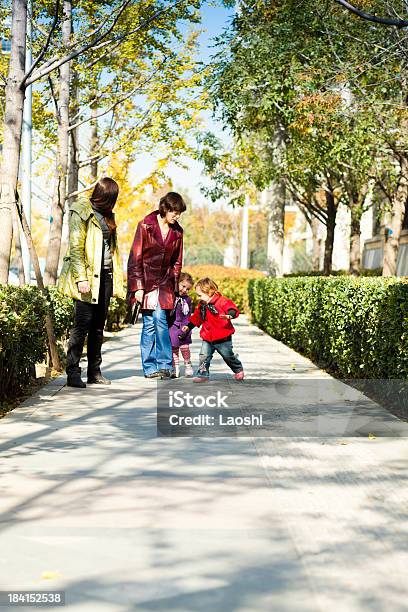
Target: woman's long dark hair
(103, 199)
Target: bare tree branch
(399, 23)
(45, 47)
(86, 188)
(115, 104)
(104, 56)
(138, 125)
(118, 8)
(56, 63)
(54, 99)
(306, 202)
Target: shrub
(116, 314)
(22, 337)
(232, 282)
(363, 272)
(62, 312)
(357, 327)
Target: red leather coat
(154, 263)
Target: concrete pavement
(95, 504)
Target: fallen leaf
(50, 575)
(371, 436)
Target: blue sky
(214, 20)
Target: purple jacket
(179, 319)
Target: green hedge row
(357, 327)
(23, 339)
(363, 272)
(22, 334)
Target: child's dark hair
(187, 277)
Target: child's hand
(184, 328)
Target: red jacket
(153, 263)
(214, 328)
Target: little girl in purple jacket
(181, 341)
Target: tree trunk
(73, 171)
(19, 253)
(52, 342)
(355, 233)
(94, 140)
(13, 119)
(397, 216)
(316, 244)
(331, 224)
(58, 204)
(73, 174)
(275, 203)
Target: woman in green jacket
(91, 274)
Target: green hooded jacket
(84, 256)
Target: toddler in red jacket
(214, 314)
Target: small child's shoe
(175, 372)
(188, 371)
(200, 379)
(239, 375)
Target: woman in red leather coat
(154, 268)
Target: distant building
(374, 251)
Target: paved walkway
(94, 503)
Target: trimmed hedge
(62, 312)
(117, 312)
(363, 272)
(357, 327)
(22, 335)
(232, 282)
(23, 338)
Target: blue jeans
(223, 348)
(155, 342)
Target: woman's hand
(225, 316)
(84, 287)
(139, 295)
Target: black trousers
(90, 319)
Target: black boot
(97, 379)
(165, 374)
(74, 379)
(95, 339)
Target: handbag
(132, 314)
